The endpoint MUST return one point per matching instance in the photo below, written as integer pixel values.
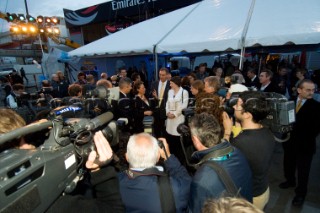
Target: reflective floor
(280, 199)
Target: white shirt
(12, 102)
(262, 88)
(175, 105)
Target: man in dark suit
(265, 80)
(253, 81)
(124, 107)
(299, 150)
(159, 91)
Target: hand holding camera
(104, 155)
(164, 148)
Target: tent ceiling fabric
(276, 23)
(215, 25)
(137, 39)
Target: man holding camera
(255, 141)
(215, 157)
(144, 180)
(104, 182)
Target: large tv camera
(281, 116)
(279, 120)
(31, 180)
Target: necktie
(299, 105)
(161, 93)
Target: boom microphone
(99, 120)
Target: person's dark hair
(268, 72)
(202, 65)
(136, 86)
(74, 89)
(176, 80)
(81, 74)
(199, 85)
(185, 81)
(164, 69)
(124, 81)
(252, 70)
(256, 104)
(300, 84)
(135, 76)
(193, 75)
(17, 87)
(206, 128)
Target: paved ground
(280, 199)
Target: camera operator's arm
(172, 164)
(179, 177)
(104, 181)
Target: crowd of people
(230, 152)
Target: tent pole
(244, 34)
(155, 58)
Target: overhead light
(56, 30)
(21, 17)
(31, 19)
(11, 17)
(55, 20)
(40, 19)
(33, 29)
(15, 29)
(47, 20)
(24, 28)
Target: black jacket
(106, 188)
(307, 127)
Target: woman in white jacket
(177, 101)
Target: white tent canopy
(282, 22)
(137, 39)
(215, 26)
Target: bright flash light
(33, 29)
(56, 30)
(24, 29)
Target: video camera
(281, 116)
(31, 180)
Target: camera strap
(164, 186)
(222, 154)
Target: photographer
(144, 180)
(104, 181)
(255, 141)
(213, 152)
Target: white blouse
(175, 104)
